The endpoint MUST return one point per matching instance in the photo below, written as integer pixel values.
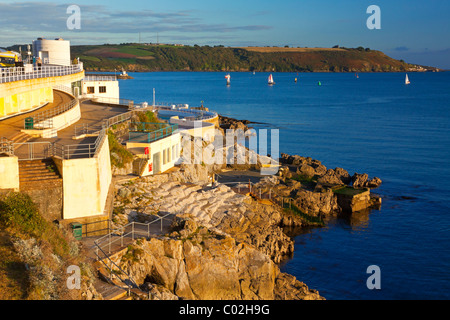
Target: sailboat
(228, 79)
(270, 80)
(407, 80)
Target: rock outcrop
(195, 263)
(316, 195)
(219, 209)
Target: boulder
(306, 171)
(319, 168)
(359, 180)
(343, 175)
(330, 179)
(374, 183)
(317, 203)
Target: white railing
(43, 120)
(93, 77)
(119, 237)
(116, 101)
(36, 72)
(131, 231)
(195, 114)
(63, 88)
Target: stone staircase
(21, 138)
(38, 174)
(109, 287)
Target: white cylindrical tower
(55, 52)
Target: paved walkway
(92, 116)
(10, 127)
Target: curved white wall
(52, 51)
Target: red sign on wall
(146, 150)
(150, 167)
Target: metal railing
(44, 119)
(63, 88)
(33, 150)
(117, 101)
(36, 72)
(130, 231)
(117, 119)
(47, 149)
(133, 230)
(6, 146)
(147, 132)
(94, 77)
(87, 150)
(86, 129)
(195, 113)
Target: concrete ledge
(9, 172)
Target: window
(102, 89)
(90, 90)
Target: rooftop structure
(55, 52)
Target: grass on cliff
(119, 154)
(308, 219)
(34, 252)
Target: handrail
(202, 115)
(6, 146)
(147, 135)
(110, 100)
(43, 120)
(87, 150)
(35, 72)
(120, 231)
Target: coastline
(221, 231)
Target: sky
(416, 31)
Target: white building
(100, 86)
(55, 52)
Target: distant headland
(144, 57)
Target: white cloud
(47, 19)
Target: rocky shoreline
(225, 242)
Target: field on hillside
(284, 49)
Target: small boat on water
(228, 79)
(319, 83)
(407, 80)
(270, 80)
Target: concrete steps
(109, 289)
(38, 174)
(21, 138)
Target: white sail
(407, 80)
(228, 78)
(271, 80)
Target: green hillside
(141, 57)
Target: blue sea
(373, 124)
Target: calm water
(374, 124)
